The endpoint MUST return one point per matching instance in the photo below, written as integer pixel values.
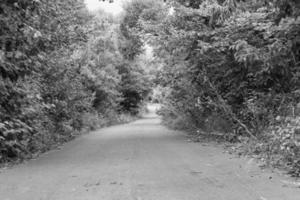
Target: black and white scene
(149, 99)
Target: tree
(230, 66)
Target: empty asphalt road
(142, 161)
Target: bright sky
(114, 8)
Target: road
(142, 161)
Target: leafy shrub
(93, 121)
(231, 66)
(280, 145)
(14, 139)
(59, 74)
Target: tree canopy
(230, 67)
(224, 67)
(63, 70)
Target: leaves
(60, 64)
(229, 66)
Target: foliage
(231, 67)
(60, 73)
(135, 75)
(35, 37)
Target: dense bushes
(42, 95)
(60, 73)
(232, 67)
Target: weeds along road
(141, 161)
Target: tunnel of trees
(222, 68)
(63, 70)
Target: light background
(114, 8)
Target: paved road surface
(141, 161)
